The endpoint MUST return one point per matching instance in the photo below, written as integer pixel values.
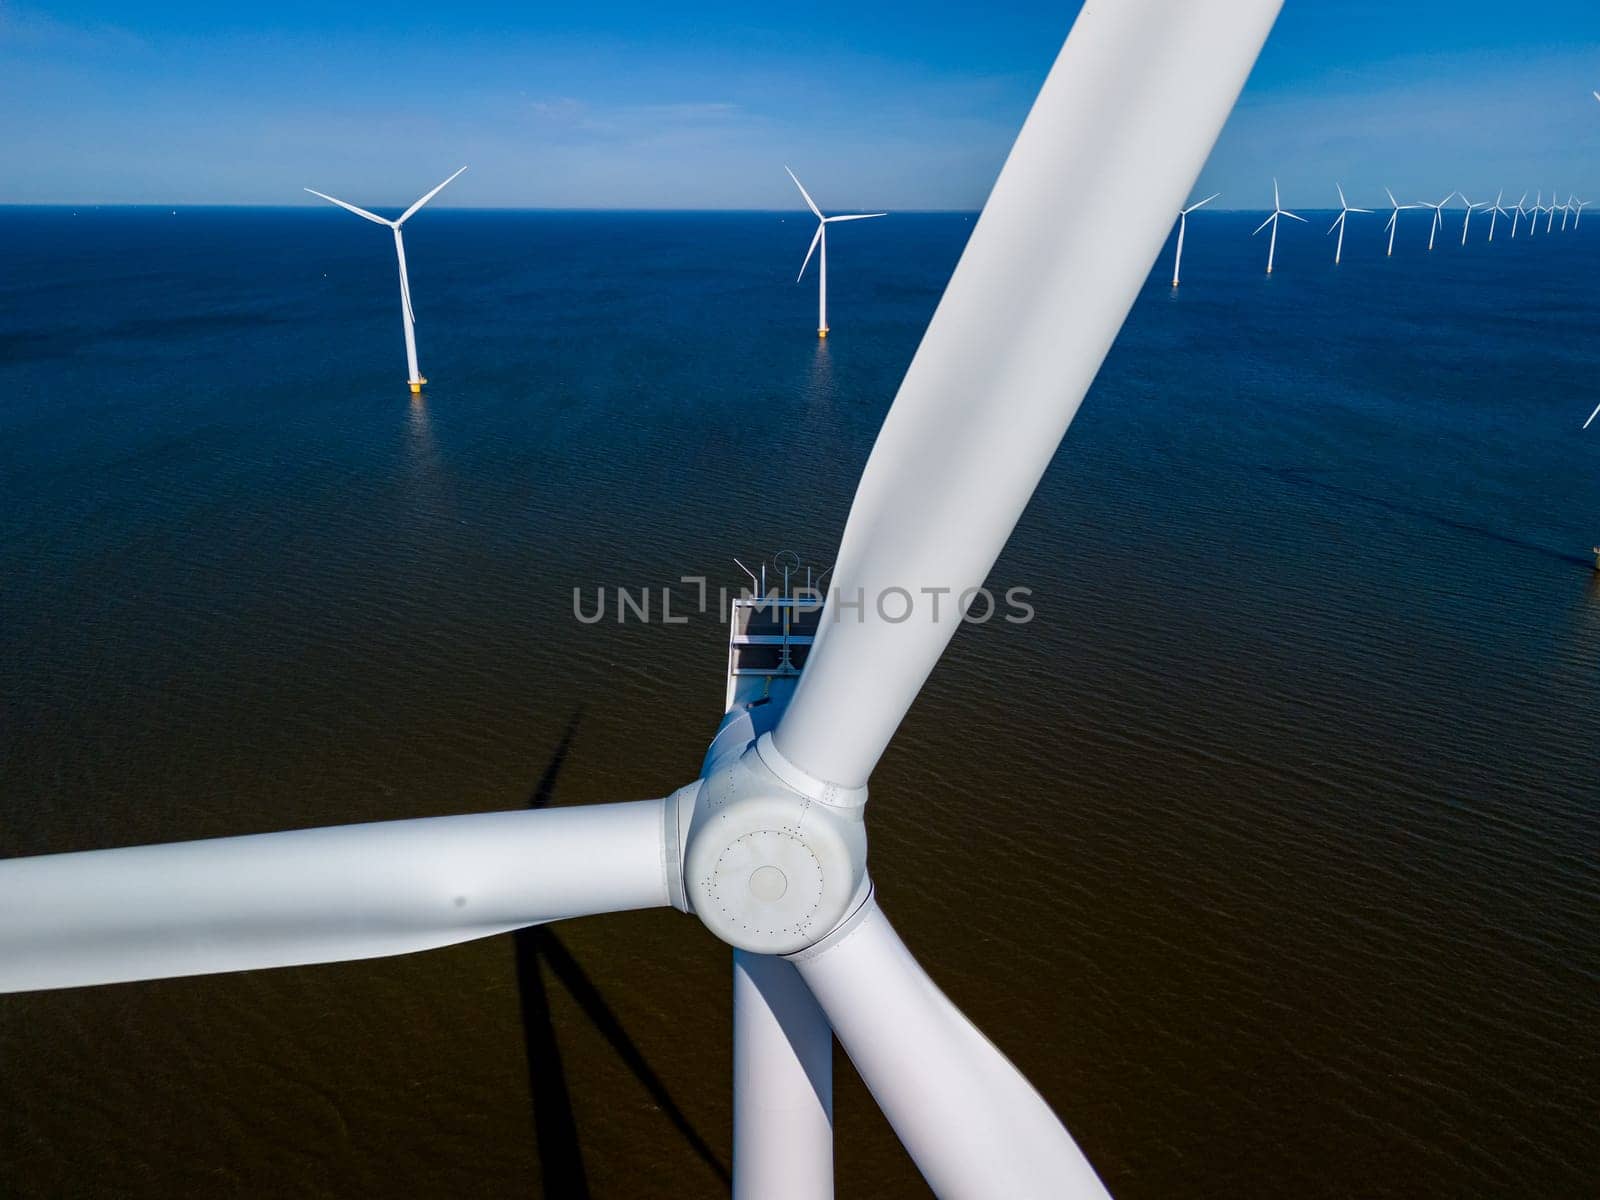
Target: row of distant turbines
(1571, 209)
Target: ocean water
(1270, 850)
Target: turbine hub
(773, 859)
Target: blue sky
(648, 105)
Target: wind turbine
(1183, 220)
(768, 847)
(821, 238)
(1518, 213)
(1496, 212)
(1277, 211)
(1338, 223)
(407, 315)
(1566, 211)
(1467, 220)
(1551, 210)
(1438, 216)
(1577, 217)
(1394, 219)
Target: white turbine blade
(360, 212)
(853, 217)
(1293, 217)
(1201, 203)
(406, 216)
(815, 238)
(319, 895)
(1392, 200)
(1393, 217)
(1360, 210)
(1592, 416)
(1013, 346)
(1277, 203)
(1264, 224)
(970, 1121)
(810, 203)
(1337, 221)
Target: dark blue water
(1269, 850)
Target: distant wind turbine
(1551, 209)
(1566, 211)
(1338, 223)
(1183, 219)
(406, 313)
(1394, 219)
(1517, 214)
(1496, 211)
(1438, 216)
(1577, 217)
(1468, 220)
(821, 238)
(1277, 211)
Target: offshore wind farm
(1251, 826)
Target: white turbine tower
(1577, 217)
(768, 847)
(1338, 223)
(1183, 220)
(1550, 209)
(1438, 216)
(407, 316)
(1394, 219)
(1496, 211)
(1466, 221)
(1517, 214)
(1277, 211)
(1566, 211)
(820, 238)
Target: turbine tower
(768, 846)
(1277, 211)
(1394, 219)
(1467, 220)
(1183, 219)
(1566, 211)
(1496, 211)
(821, 238)
(1438, 216)
(1338, 223)
(1550, 209)
(407, 316)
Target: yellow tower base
(416, 386)
(822, 333)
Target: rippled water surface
(1268, 850)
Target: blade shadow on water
(560, 1156)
